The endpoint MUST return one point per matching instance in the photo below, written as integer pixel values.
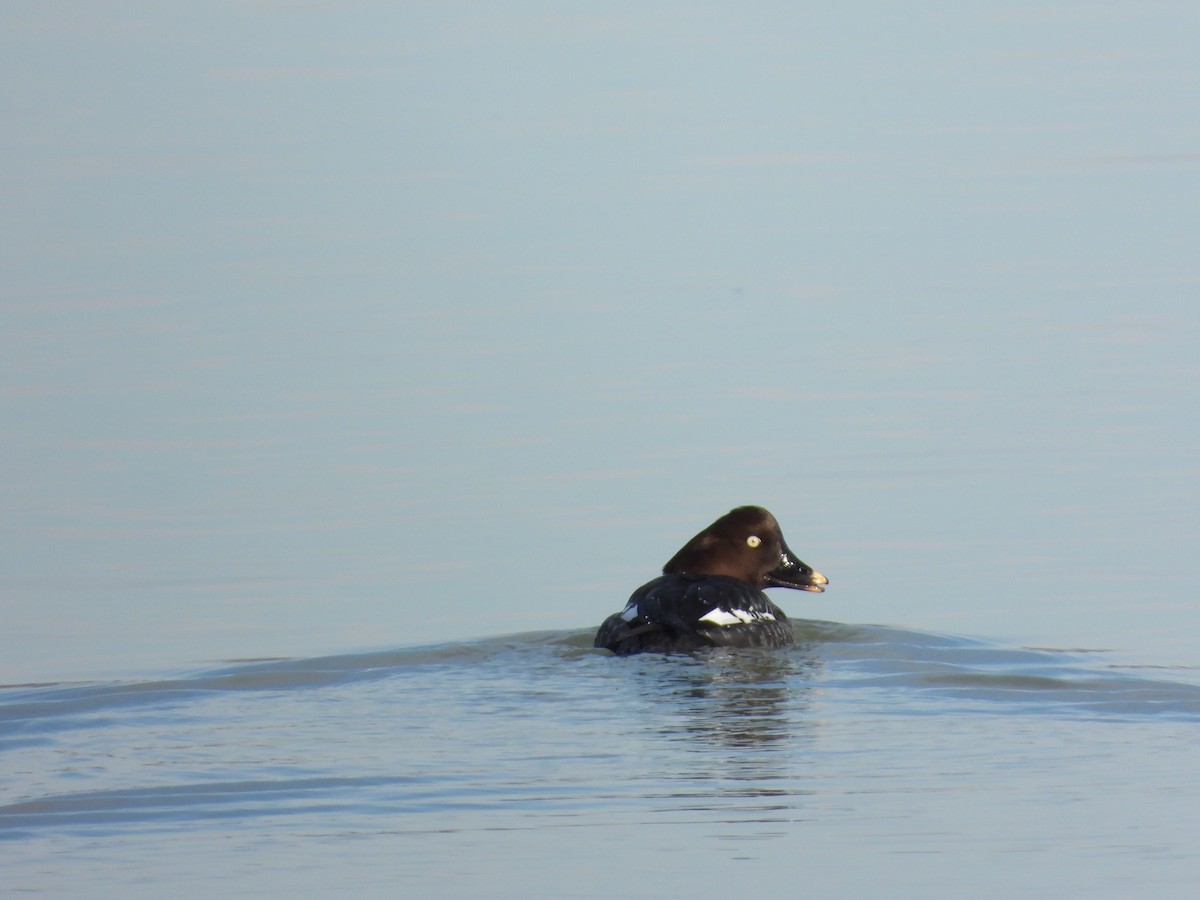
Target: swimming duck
(711, 592)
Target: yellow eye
(753, 541)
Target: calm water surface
(533, 765)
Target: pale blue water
(532, 765)
(333, 330)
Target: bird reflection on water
(735, 724)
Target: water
(336, 326)
(532, 765)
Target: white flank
(718, 616)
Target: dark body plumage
(710, 594)
(669, 611)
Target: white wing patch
(630, 612)
(718, 616)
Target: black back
(665, 616)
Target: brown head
(746, 543)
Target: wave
(861, 660)
(932, 668)
(537, 723)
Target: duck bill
(792, 573)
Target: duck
(711, 592)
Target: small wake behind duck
(919, 673)
(356, 738)
(890, 670)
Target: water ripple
(539, 729)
